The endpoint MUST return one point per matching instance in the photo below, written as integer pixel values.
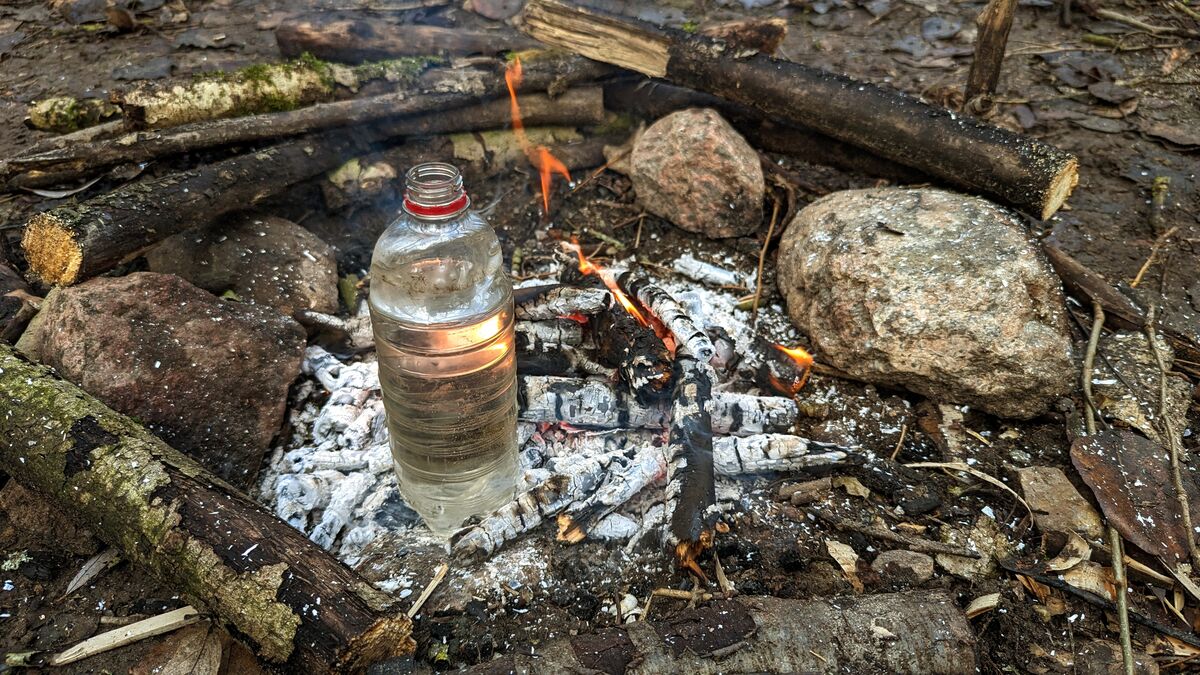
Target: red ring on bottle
(435, 211)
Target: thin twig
(1142, 25)
(1089, 364)
(911, 543)
(1167, 431)
(1158, 244)
(433, 584)
(899, 443)
(762, 257)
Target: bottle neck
(437, 211)
(433, 192)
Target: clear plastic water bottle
(442, 313)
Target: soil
(772, 548)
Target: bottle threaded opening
(434, 190)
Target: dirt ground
(770, 550)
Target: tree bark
(580, 107)
(910, 632)
(296, 603)
(435, 91)
(358, 40)
(1014, 169)
(74, 242)
(994, 22)
(16, 302)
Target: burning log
(664, 307)
(71, 243)
(543, 303)
(595, 404)
(358, 40)
(625, 342)
(165, 513)
(1017, 170)
(541, 336)
(910, 632)
(691, 493)
(782, 370)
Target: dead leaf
(982, 605)
(966, 468)
(195, 650)
(1094, 578)
(93, 568)
(1055, 503)
(1131, 478)
(984, 538)
(1076, 551)
(1133, 397)
(847, 559)
(1175, 58)
(59, 194)
(852, 486)
(1182, 134)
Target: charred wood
(777, 371)
(664, 307)
(926, 633)
(541, 336)
(74, 242)
(564, 361)
(170, 516)
(691, 492)
(595, 404)
(636, 351)
(1017, 170)
(358, 40)
(555, 302)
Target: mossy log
(364, 39)
(911, 632)
(435, 91)
(261, 88)
(1014, 169)
(293, 601)
(64, 114)
(71, 243)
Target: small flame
(588, 267)
(803, 360)
(540, 156)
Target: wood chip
(982, 605)
(134, 632)
(847, 559)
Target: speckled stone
(208, 376)
(936, 292)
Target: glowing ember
(588, 267)
(802, 358)
(540, 157)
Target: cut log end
(390, 637)
(1060, 188)
(52, 251)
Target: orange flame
(540, 156)
(802, 358)
(588, 267)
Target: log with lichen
(299, 606)
(260, 88)
(63, 114)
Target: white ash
(332, 476)
(540, 336)
(564, 301)
(698, 270)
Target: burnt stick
(635, 350)
(691, 493)
(540, 336)
(595, 404)
(660, 303)
(564, 361)
(562, 301)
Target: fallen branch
(994, 22)
(358, 40)
(70, 243)
(911, 632)
(17, 302)
(168, 515)
(1017, 170)
(910, 543)
(438, 92)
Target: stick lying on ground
(358, 40)
(911, 632)
(68, 244)
(691, 493)
(1014, 169)
(436, 91)
(165, 513)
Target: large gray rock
(263, 259)
(932, 291)
(694, 170)
(208, 376)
